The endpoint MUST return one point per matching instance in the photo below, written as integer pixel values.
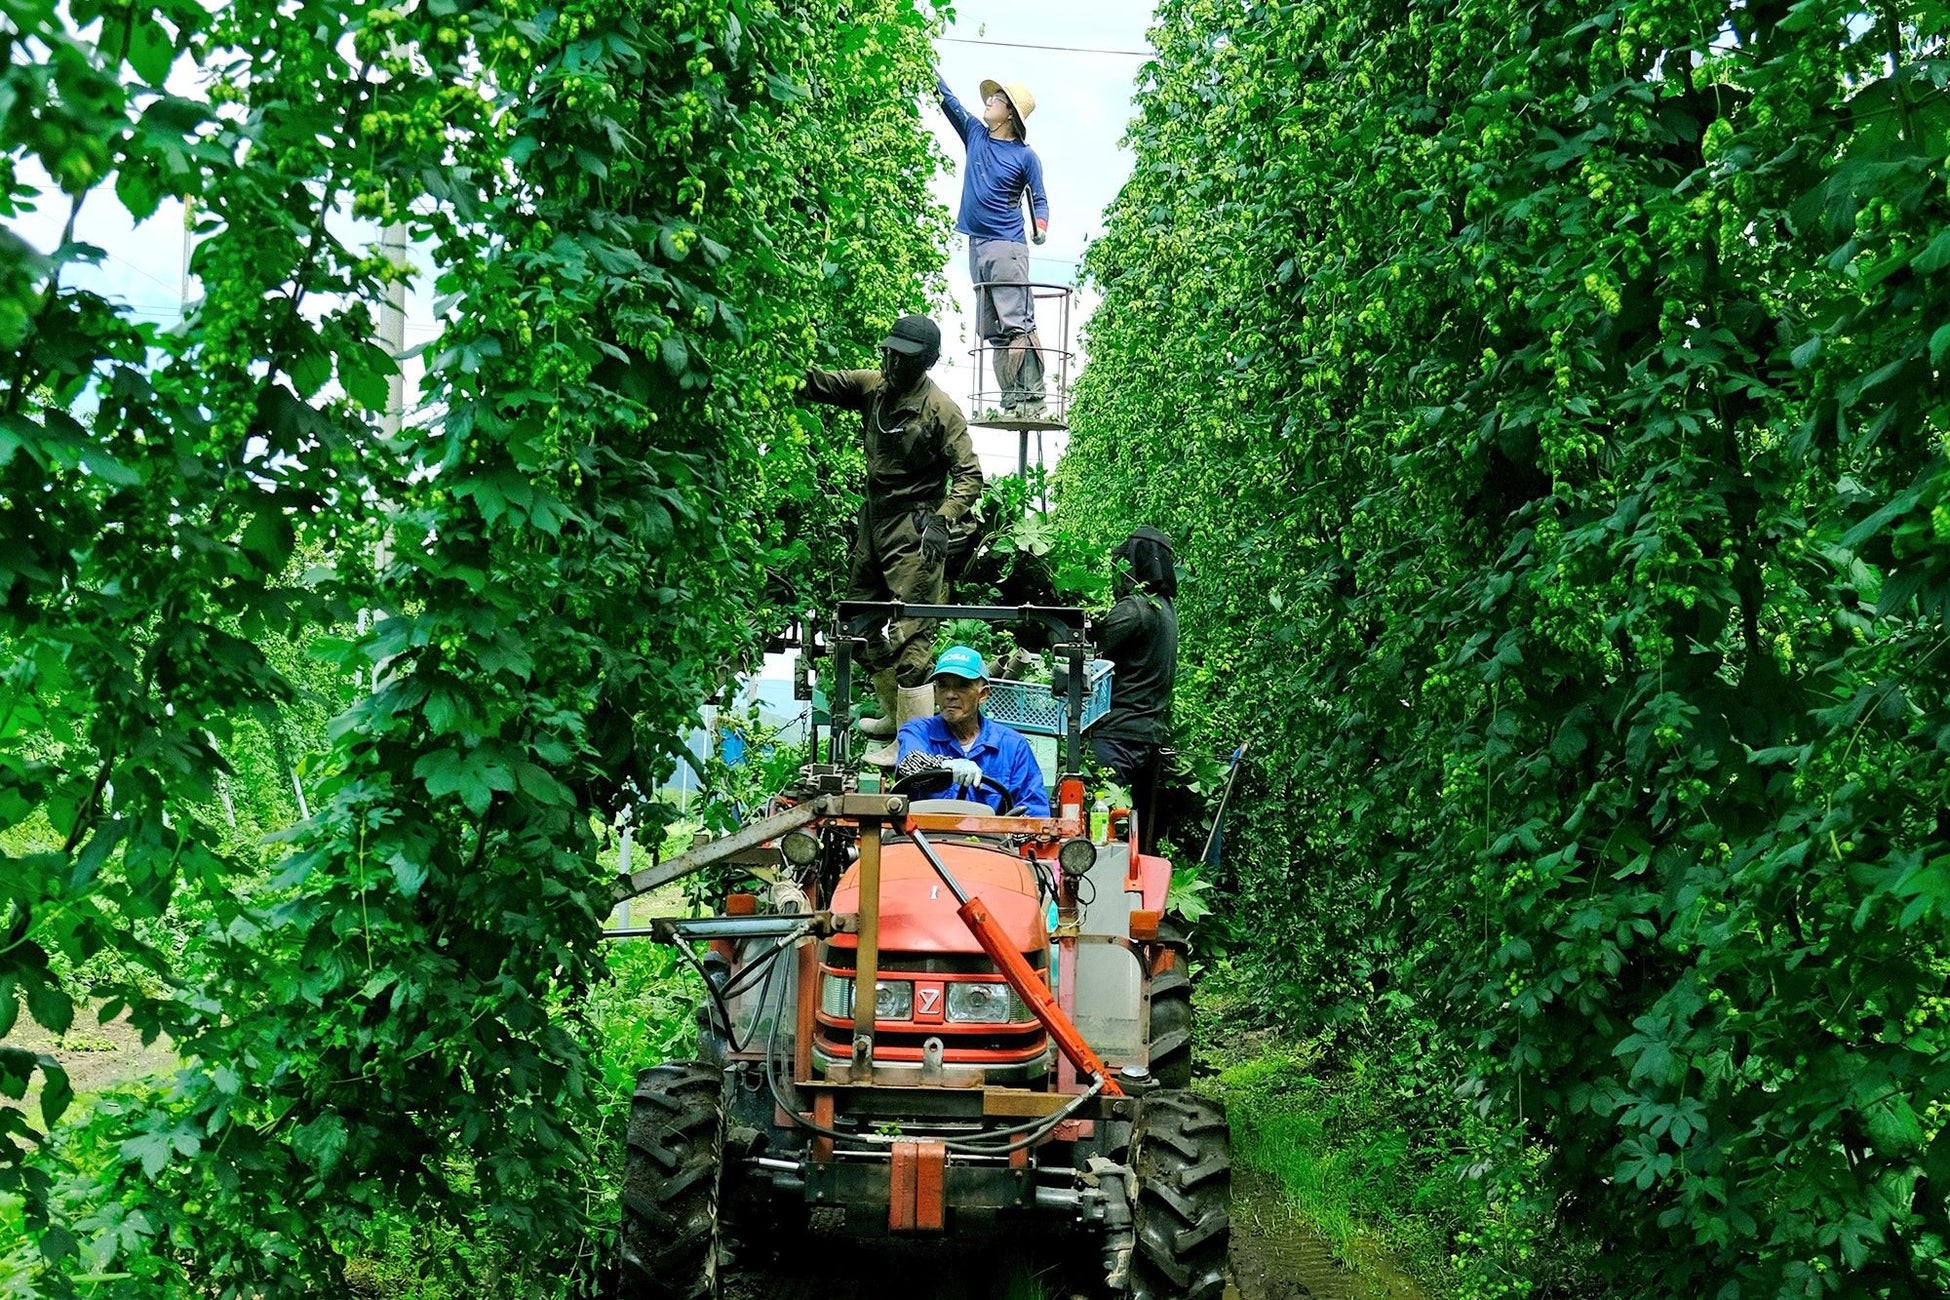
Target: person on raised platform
(1000, 170)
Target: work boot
(914, 702)
(883, 726)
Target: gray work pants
(1005, 317)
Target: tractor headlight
(993, 1004)
(800, 847)
(1077, 856)
(892, 999)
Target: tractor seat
(966, 806)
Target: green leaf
(408, 873)
(108, 469)
(676, 355)
(1939, 346)
(152, 1149)
(1935, 255)
(136, 186)
(151, 51)
(47, 1002)
(321, 1143)
(365, 372)
(310, 371)
(269, 539)
(1894, 1128)
(57, 1244)
(17, 1066)
(474, 775)
(57, 1093)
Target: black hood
(1145, 562)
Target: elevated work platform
(1023, 386)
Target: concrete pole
(392, 327)
(189, 246)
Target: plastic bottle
(1100, 821)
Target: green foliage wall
(640, 218)
(1550, 402)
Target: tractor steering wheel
(930, 777)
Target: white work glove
(964, 771)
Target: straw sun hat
(1021, 102)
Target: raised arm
(958, 117)
(843, 388)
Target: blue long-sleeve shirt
(1001, 753)
(994, 177)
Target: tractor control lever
(988, 932)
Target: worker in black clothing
(922, 477)
(1140, 636)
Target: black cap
(914, 336)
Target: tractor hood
(919, 914)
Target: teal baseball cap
(961, 661)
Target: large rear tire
(672, 1180)
(1170, 976)
(1180, 1151)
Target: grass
(1342, 1167)
(1408, 1188)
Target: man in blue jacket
(1000, 169)
(971, 746)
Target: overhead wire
(1061, 49)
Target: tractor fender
(1152, 879)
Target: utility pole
(189, 246)
(392, 339)
(392, 326)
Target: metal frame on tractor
(1062, 1100)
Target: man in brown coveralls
(922, 476)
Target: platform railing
(990, 405)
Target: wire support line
(1062, 49)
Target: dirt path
(95, 1055)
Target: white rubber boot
(914, 702)
(885, 725)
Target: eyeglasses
(997, 98)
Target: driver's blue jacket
(1002, 754)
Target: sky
(1083, 101)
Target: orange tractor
(1022, 1056)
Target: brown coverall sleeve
(964, 469)
(843, 388)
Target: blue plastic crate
(1029, 706)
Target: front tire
(672, 1179)
(1181, 1154)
